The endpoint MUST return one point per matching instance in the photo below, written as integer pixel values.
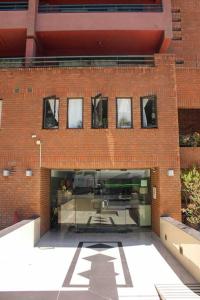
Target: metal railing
(13, 6)
(77, 61)
(48, 8)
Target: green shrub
(191, 188)
(190, 140)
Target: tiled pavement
(91, 267)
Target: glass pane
(113, 206)
(75, 113)
(87, 213)
(62, 199)
(149, 113)
(124, 115)
(100, 199)
(126, 197)
(51, 113)
(100, 113)
(1, 104)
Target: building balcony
(13, 25)
(130, 28)
(106, 19)
(90, 8)
(13, 15)
(77, 61)
(65, 28)
(13, 5)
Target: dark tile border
(126, 272)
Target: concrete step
(178, 291)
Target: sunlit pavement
(91, 267)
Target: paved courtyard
(92, 267)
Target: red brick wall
(89, 148)
(23, 197)
(190, 157)
(188, 87)
(44, 199)
(155, 183)
(165, 203)
(188, 75)
(19, 195)
(188, 94)
(188, 47)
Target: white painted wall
(20, 237)
(176, 236)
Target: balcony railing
(77, 61)
(13, 6)
(48, 8)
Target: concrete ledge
(192, 232)
(11, 228)
(178, 291)
(21, 236)
(183, 242)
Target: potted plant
(191, 189)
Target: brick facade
(87, 148)
(23, 90)
(188, 74)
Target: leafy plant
(191, 188)
(195, 139)
(190, 140)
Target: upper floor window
(149, 112)
(75, 113)
(50, 113)
(124, 113)
(1, 104)
(100, 112)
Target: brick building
(93, 98)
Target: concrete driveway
(90, 266)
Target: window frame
(44, 111)
(156, 111)
(131, 99)
(67, 115)
(103, 98)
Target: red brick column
(44, 200)
(31, 46)
(168, 196)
